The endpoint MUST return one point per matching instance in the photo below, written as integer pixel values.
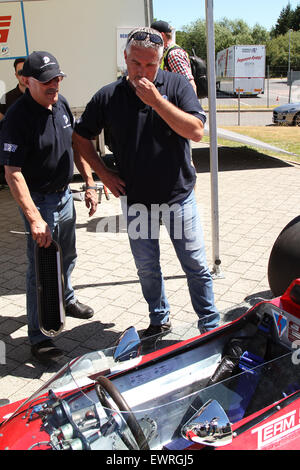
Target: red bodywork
(274, 427)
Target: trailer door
(249, 70)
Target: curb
(235, 110)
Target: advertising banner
(122, 34)
(13, 38)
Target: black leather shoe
(160, 330)
(46, 351)
(79, 310)
(202, 330)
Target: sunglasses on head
(142, 35)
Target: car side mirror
(128, 346)
(210, 426)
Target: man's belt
(60, 190)
(54, 191)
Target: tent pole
(212, 99)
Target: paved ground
(258, 196)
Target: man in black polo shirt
(36, 150)
(150, 115)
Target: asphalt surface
(244, 118)
(276, 93)
(260, 108)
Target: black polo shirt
(152, 159)
(40, 142)
(9, 98)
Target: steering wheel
(131, 421)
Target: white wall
(82, 34)
(14, 46)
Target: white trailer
(241, 69)
(87, 37)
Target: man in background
(11, 96)
(175, 59)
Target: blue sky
(183, 12)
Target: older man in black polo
(36, 150)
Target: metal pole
(148, 4)
(24, 27)
(212, 99)
(289, 63)
(291, 84)
(289, 66)
(239, 107)
(268, 86)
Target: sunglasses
(142, 35)
(19, 72)
(59, 79)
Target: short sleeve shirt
(178, 62)
(152, 159)
(39, 141)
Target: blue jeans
(183, 224)
(57, 209)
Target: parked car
(288, 114)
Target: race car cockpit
(177, 392)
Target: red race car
(237, 387)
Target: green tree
(195, 38)
(278, 53)
(223, 37)
(236, 32)
(227, 33)
(284, 22)
(236, 27)
(260, 35)
(295, 25)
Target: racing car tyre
(284, 260)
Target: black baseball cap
(42, 66)
(161, 26)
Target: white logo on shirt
(66, 119)
(10, 147)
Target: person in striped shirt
(175, 59)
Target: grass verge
(286, 138)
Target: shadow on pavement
(20, 362)
(234, 159)
(250, 301)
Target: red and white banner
(12, 30)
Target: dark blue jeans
(57, 209)
(182, 221)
